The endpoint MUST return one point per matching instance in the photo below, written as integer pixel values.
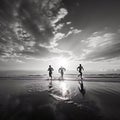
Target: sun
(61, 61)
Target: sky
(38, 33)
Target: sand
(64, 100)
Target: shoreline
(87, 79)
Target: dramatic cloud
(73, 31)
(102, 47)
(61, 14)
(30, 28)
(80, 30)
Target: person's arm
(64, 69)
(77, 68)
(83, 68)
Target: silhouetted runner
(80, 68)
(50, 69)
(61, 70)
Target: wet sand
(64, 100)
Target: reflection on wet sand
(64, 89)
(50, 84)
(61, 92)
(81, 88)
(59, 100)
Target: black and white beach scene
(59, 60)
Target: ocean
(43, 75)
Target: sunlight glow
(61, 61)
(64, 89)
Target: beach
(62, 100)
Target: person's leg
(62, 75)
(81, 75)
(51, 78)
(49, 75)
(81, 78)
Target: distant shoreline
(45, 78)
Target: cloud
(59, 27)
(63, 53)
(30, 28)
(68, 23)
(103, 40)
(73, 31)
(59, 36)
(102, 47)
(61, 14)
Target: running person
(50, 69)
(80, 68)
(61, 70)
